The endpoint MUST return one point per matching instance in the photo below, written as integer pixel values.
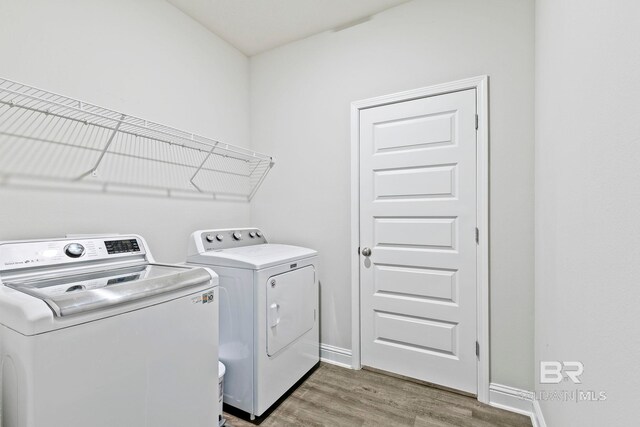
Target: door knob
(366, 252)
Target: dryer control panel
(215, 240)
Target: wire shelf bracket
(94, 170)
(49, 137)
(191, 180)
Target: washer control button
(219, 237)
(74, 250)
(209, 238)
(252, 234)
(258, 233)
(237, 236)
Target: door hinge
(477, 121)
(477, 349)
(477, 235)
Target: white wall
(146, 58)
(301, 95)
(142, 57)
(588, 204)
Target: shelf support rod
(93, 170)
(259, 183)
(201, 166)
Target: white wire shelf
(50, 137)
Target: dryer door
(290, 307)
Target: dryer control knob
(252, 234)
(209, 237)
(219, 237)
(74, 250)
(237, 236)
(258, 233)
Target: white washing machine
(93, 333)
(269, 335)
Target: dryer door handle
(274, 317)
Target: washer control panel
(27, 254)
(215, 240)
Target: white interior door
(418, 220)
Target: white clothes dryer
(94, 333)
(269, 334)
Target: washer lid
(254, 257)
(103, 289)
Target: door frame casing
(481, 86)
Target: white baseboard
(335, 355)
(537, 419)
(518, 401)
(510, 398)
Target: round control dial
(237, 236)
(209, 237)
(74, 250)
(219, 237)
(252, 234)
(258, 233)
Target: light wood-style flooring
(334, 396)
